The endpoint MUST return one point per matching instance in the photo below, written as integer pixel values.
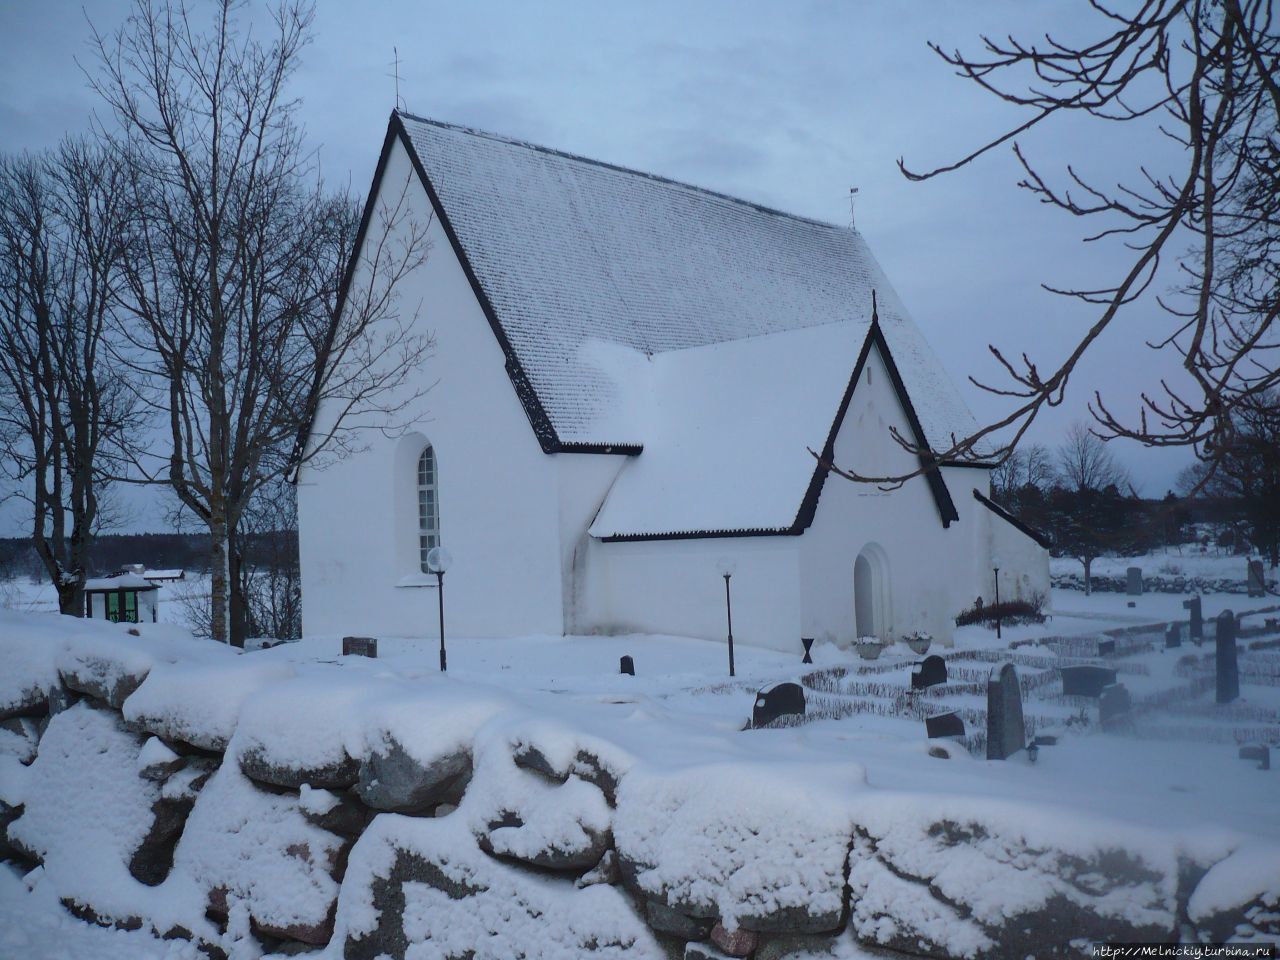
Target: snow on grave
(709, 842)
(996, 879)
(245, 846)
(198, 701)
(423, 888)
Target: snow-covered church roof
(625, 302)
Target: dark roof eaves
(703, 534)
(937, 485)
(543, 429)
(1041, 538)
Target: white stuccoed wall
(673, 586)
(499, 493)
(930, 568)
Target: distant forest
(111, 552)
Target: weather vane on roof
(395, 66)
(853, 194)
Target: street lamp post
(438, 559)
(727, 568)
(995, 567)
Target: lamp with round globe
(438, 560)
(726, 568)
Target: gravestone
(628, 666)
(1259, 752)
(1228, 669)
(360, 647)
(807, 643)
(928, 672)
(1113, 708)
(1106, 648)
(944, 725)
(1197, 618)
(1173, 636)
(1006, 733)
(779, 700)
(1086, 680)
(1133, 582)
(1257, 581)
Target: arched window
(428, 507)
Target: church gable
(715, 371)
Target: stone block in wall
(914, 888)
(414, 881)
(104, 678)
(394, 780)
(333, 775)
(1239, 896)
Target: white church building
(629, 374)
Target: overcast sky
(785, 103)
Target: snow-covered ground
(1176, 783)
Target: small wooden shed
(121, 598)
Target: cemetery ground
(847, 819)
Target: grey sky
(787, 103)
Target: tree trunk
(220, 568)
(238, 601)
(71, 598)
(1088, 582)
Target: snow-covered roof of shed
(121, 581)
(584, 263)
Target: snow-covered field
(1175, 784)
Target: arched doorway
(871, 592)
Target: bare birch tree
(1207, 74)
(237, 256)
(67, 414)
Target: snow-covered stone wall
(280, 807)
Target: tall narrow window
(428, 507)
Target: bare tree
(67, 414)
(237, 257)
(1205, 72)
(1031, 466)
(1085, 463)
(1248, 473)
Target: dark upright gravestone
(1086, 681)
(780, 700)
(628, 666)
(1173, 636)
(1133, 582)
(1197, 618)
(360, 647)
(944, 725)
(1006, 733)
(807, 643)
(928, 672)
(1259, 752)
(1106, 648)
(1257, 581)
(1113, 708)
(1228, 669)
